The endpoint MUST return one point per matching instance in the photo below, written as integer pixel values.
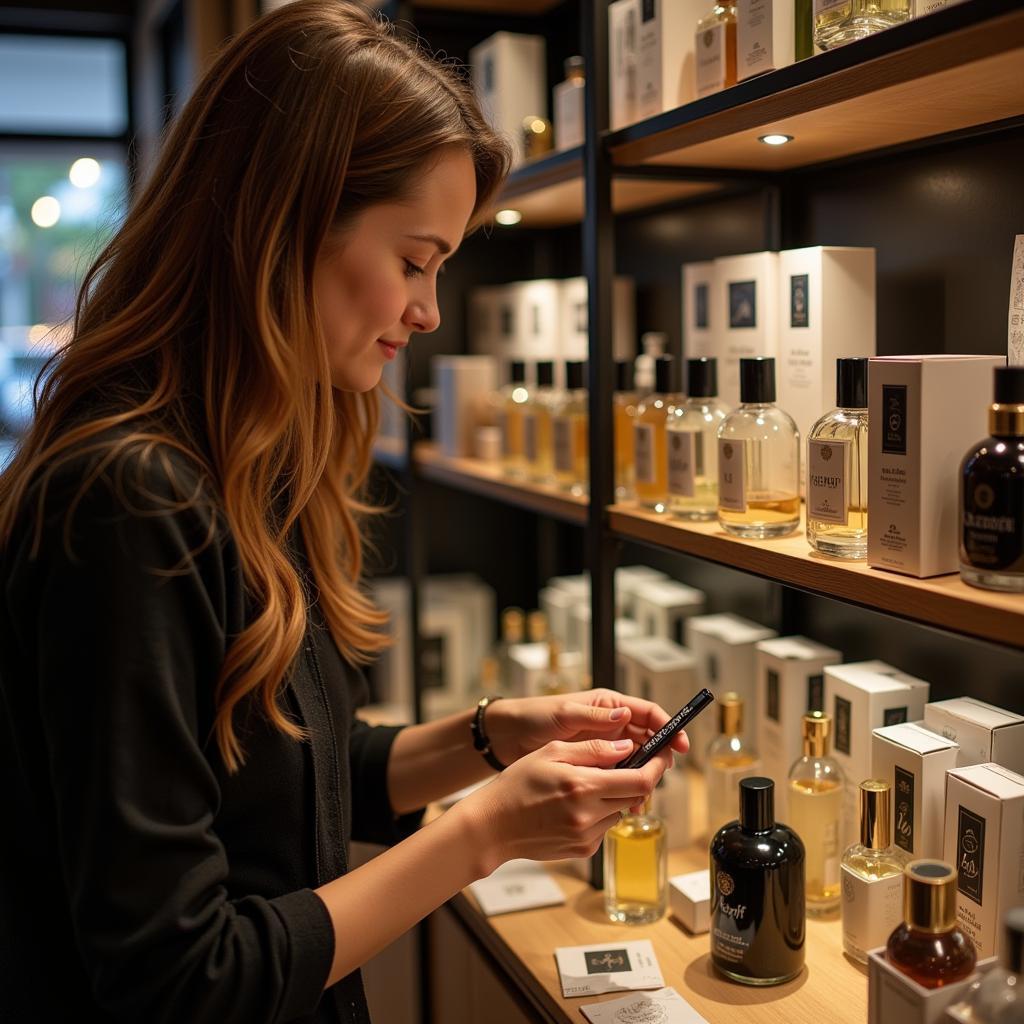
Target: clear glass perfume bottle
(998, 998)
(816, 812)
(636, 869)
(872, 875)
(837, 468)
(553, 681)
(570, 417)
(515, 395)
(692, 427)
(992, 493)
(650, 447)
(537, 627)
(715, 47)
(837, 22)
(513, 623)
(538, 443)
(567, 104)
(928, 945)
(624, 403)
(758, 460)
(729, 759)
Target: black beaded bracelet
(480, 739)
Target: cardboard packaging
(529, 668)
(744, 309)
(627, 579)
(914, 762)
(539, 308)
(983, 732)
(861, 697)
(698, 325)
(666, 71)
(462, 383)
(790, 682)
(484, 315)
(724, 646)
(582, 616)
(623, 43)
(558, 604)
(765, 37)
(926, 411)
(476, 602)
(575, 317)
(509, 73)
(826, 308)
(985, 840)
(659, 670)
(663, 606)
(689, 899)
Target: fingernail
(622, 744)
(617, 714)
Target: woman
(180, 537)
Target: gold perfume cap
(929, 896)
(875, 823)
(730, 714)
(817, 733)
(489, 675)
(537, 627)
(512, 622)
(553, 653)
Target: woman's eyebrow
(443, 247)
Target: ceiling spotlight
(84, 173)
(45, 212)
(775, 139)
(507, 218)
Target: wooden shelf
(482, 478)
(951, 71)
(390, 452)
(942, 601)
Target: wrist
(476, 835)
(501, 724)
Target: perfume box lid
(579, 585)
(985, 733)
(730, 629)
(915, 737)
(656, 654)
(670, 594)
(797, 648)
(874, 676)
(690, 900)
(992, 779)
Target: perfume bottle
(567, 104)
(998, 998)
(872, 875)
(650, 449)
(652, 345)
(624, 402)
(536, 627)
(513, 623)
(553, 681)
(570, 432)
(729, 759)
(515, 396)
(927, 945)
(837, 22)
(538, 138)
(715, 47)
(816, 812)
(692, 427)
(636, 869)
(758, 925)
(488, 684)
(758, 460)
(538, 446)
(837, 468)
(992, 493)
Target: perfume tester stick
(664, 735)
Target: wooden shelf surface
(943, 601)
(480, 477)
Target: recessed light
(775, 139)
(508, 217)
(45, 212)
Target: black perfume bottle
(757, 893)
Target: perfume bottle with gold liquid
(571, 437)
(650, 446)
(636, 869)
(729, 759)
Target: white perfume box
(985, 840)
(790, 682)
(623, 43)
(582, 616)
(575, 317)
(567, 111)
(659, 670)
(529, 668)
(578, 584)
(666, 74)
(698, 325)
(689, 899)
(925, 412)
(462, 384)
(892, 996)
(506, 301)
(982, 731)
(765, 37)
(539, 305)
(744, 309)
(670, 801)
(861, 697)
(476, 602)
(826, 308)
(627, 579)
(914, 762)
(558, 604)
(724, 646)
(663, 606)
(509, 73)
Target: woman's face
(377, 285)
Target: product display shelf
(949, 72)
(943, 601)
(480, 477)
(390, 452)
(831, 987)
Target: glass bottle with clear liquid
(837, 22)
(728, 760)
(816, 813)
(872, 875)
(998, 998)
(624, 404)
(513, 627)
(515, 395)
(649, 436)
(538, 440)
(758, 460)
(570, 434)
(837, 468)
(636, 869)
(692, 427)
(553, 682)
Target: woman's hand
(556, 802)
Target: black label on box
(432, 662)
(772, 695)
(607, 961)
(647, 10)
(679, 631)
(816, 693)
(894, 716)
(712, 669)
(894, 419)
(903, 795)
(742, 303)
(700, 305)
(842, 717)
(970, 855)
(581, 318)
(507, 319)
(798, 313)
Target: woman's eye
(411, 270)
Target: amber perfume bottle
(729, 760)
(649, 435)
(570, 435)
(624, 403)
(758, 923)
(538, 443)
(928, 946)
(636, 869)
(514, 398)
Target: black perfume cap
(757, 804)
(624, 374)
(545, 373)
(517, 371)
(1009, 388)
(666, 375)
(852, 383)
(702, 378)
(575, 375)
(1013, 939)
(757, 380)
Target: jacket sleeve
(373, 820)
(129, 635)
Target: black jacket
(139, 881)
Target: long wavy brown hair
(197, 328)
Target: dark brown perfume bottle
(757, 893)
(928, 946)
